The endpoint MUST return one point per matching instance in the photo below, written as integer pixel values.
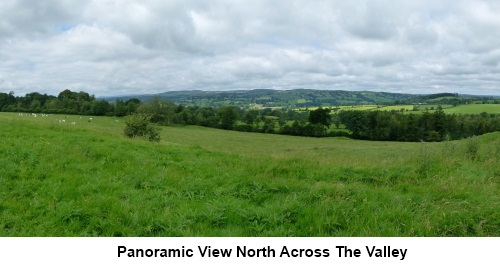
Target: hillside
(303, 98)
(277, 98)
(87, 179)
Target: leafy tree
(207, 117)
(439, 122)
(269, 126)
(160, 111)
(294, 129)
(250, 117)
(228, 116)
(100, 107)
(355, 121)
(336, 120)
(120, 109)
(186, 116)
(320, 116)
(314, 130)
(35, 106)
(132, 105)
(83, 97)
(85, 108)
(67, 94)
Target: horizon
(313, 89)
(223, 91)
(150, 47)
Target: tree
(269, 126)
(228, 117)
(120, 109)
(67, 94)
(132, 105)
(6, 100)
(207, 117)
(355, 121)
(314, 130)
(35, 106)
(84, 97)
(336, 120)
(439, 123)
(320, 116)
(160, 111)
(100, 107)
(250, 117)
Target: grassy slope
(88, 180)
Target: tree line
(321, 122)
(435, 126)
(67, 102)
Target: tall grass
(89, 180)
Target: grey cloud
(368, 19)
(160, 25)
(149, 46)
(36, 18)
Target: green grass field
(461, 109)
(87, 179)
(397, 108)
(475, 109)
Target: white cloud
(111, 47)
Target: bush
(139, 125)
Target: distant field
(358, 107)
(86, 179)
(397, 108)
(475, 109)
(461, 109)
(431, 107)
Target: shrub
(138, 125)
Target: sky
(120, 47)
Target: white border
(104, 251)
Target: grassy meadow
(475, 109)
(87, 179)
(460, 109)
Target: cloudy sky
(116, 47)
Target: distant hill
(451, 99)
(297, 98)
